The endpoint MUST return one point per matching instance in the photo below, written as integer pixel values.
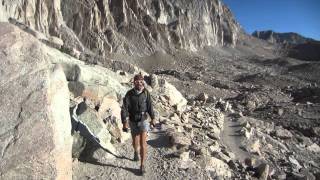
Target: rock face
(129, 26)
(35, 140)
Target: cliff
(128, 26)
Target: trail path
(232, 139)
(160, 163)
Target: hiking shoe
(136, 156)
(142, 170)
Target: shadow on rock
(161, 141)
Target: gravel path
(232, 139)
(161, 164)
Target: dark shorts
(139, 127)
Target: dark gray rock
(309, 51)
(262, 171)
(316, 131)
(79, 144)
(177, 139)
(300, 176)
(203, 97)
(283, 133)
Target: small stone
(180, 129)
(199, 115)
(56, 42)
(316, 131)
(203, 97)
(75, 53)
(283, 133)
(177, 139)
(246, 125)
(189, 164)
(249, 162)
(213, 136)
(154, 81)
(214, 148)
(280, 176)
(246, 132)
(280, 111)
(185, 117)
(175, 118)
(204, 151)
(300, 112)
(305, 141)
(255, 147)
(222, 157)
(195, 109)
(314, 148)
(309, 103)
(163, 98)
(230, 154)
(122, 73)
(184, 156)
(263, 171)
(232, 165)
(293, 161)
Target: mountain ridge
(285, 37)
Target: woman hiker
(136, 104)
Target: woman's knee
(135, 139)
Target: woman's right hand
(125, 127)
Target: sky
(300, 16)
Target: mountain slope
(294, 45)
(274, 37)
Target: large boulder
(174, 97)
(94, 82)
(283, 133)
(95, 126)
(109, 111)
(35, 140)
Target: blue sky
(300, 16)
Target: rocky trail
(122, 166)
(231, 136)
(160, 163)
(162, 160)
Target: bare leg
(143, 147)
(135, 142)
